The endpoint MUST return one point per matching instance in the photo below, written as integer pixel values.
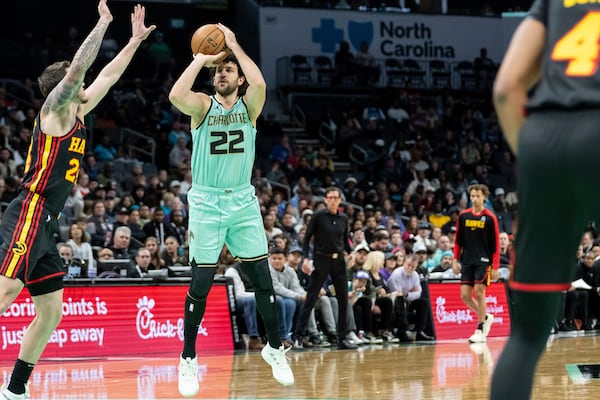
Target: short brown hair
(51, 76)
(481, 187)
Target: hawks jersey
(52, 165)
(477, 238)
(224, 146)
(570, 75)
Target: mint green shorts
(231, 216)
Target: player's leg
(482, 280)
(48, 308)
(45, 293)
(546, 240)
(479, 290)
(195, 305)
(467, 282)
(469, 296)
(246, 239)
(257, 271)
(207, 235)
(10, 289)
(48, 313)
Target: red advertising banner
(454, 320)
(120, 320)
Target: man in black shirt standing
(329, 227)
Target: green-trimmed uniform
(223, 203)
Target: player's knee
(50, 317)
(466, 297)
(480, 291)
(259, 275)
(6, 298)
(202, 280)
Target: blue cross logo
(327, 35)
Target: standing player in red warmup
(477, 257)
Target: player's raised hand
(230, 39)
(138, 26)
(104, 12)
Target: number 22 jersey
(224, 147)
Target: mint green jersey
(223, 147)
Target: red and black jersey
(53, 163)
(570, 74)
(477, 239)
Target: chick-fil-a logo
(149, 328)
(457, 316)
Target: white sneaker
(477, 337)
(487, 324)
(352, 338)
(6, 394)
(278, 361)
(363, 338)
(188, 376)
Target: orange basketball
(208, 39)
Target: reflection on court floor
(444, 370)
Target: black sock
(194, 311)
(195, 305)
(20, 376)
(267, 307)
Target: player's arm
(519, 71)
(194, 104)
(310, 231)
(256, 94)
(111, 73)
(68, 88)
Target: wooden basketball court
(444, 370)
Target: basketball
(208, 39)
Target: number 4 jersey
(571, 55)
(52, 165)
(224, 145)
